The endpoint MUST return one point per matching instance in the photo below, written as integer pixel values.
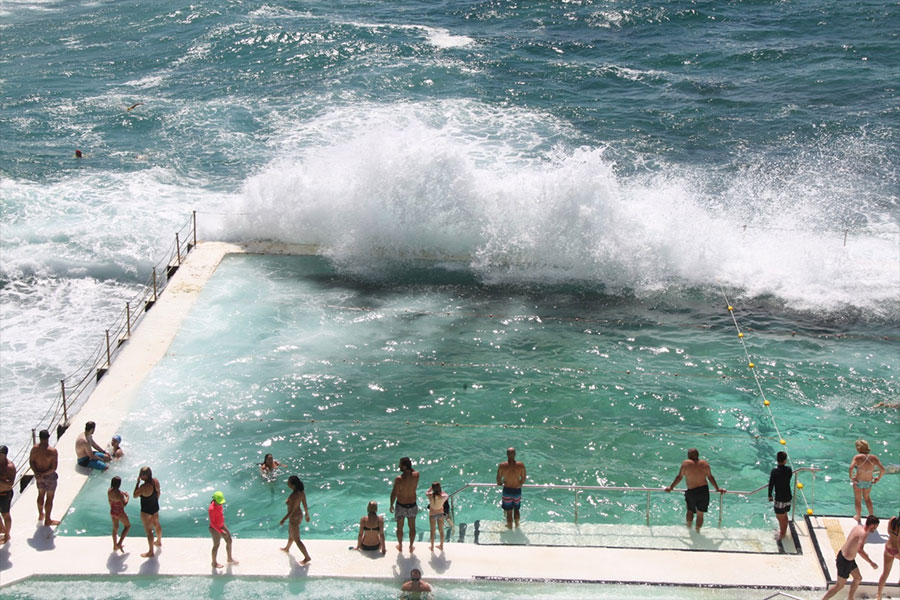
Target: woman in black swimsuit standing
(371, 530)
(147, 489)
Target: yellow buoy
(809, 511)
(752, 365)
(799, 486)
(766, 402)
(740, 335)
(730, 308)
(783, 442)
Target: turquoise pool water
(191, 588)
(339, 377)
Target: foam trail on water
(419, 185)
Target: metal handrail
(613, 488)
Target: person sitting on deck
(88, 452)
(371, 530)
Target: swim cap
(118, 438)
(219, 497)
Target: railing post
(194, 218)
(108, 353)
(62, 385)
(177, 248)
(721, 502)
(576, 505)
(154, 284)
(128, 318)
(648, 509)
(793, 489)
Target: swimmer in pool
(416, 587)
(864, 463)
(115, 451)
(268, 465)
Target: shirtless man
(44, 459)
(7, 479)
(865, 464)
(695, 473)
(846, 558)
(404, 494)
(416, 587)
(511, 475)
(88, 452)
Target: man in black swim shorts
(695, 473)
(846, 557)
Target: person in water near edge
(268, 465)
(864, 463)
(695, 473)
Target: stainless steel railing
(577, 489)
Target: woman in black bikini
(371, 530)
(147, 489)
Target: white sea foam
(442, 180)
(436, 36)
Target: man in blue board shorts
(511, 475)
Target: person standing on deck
(404, 494)
(846, 558)
(218, 530)
(511, 475)
(148, 490)
(780, 481)
(7, 480)
(43, 461)
(865, 464)
(891, 551)
(696, 472)
(296, 506)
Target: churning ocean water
(648, 149)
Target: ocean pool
(340, 376)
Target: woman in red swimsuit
(117, 501)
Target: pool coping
(26, 555)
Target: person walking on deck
(780, 482)
(7, 480)
(43, 461)
(148, 490)
(846, 558)
(404, 494)
(117, 500)
(218, 530)
(864, 463)
(296, 507)
(511, 475)
(695, 473)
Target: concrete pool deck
(37, 551)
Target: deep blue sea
(648, 150)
